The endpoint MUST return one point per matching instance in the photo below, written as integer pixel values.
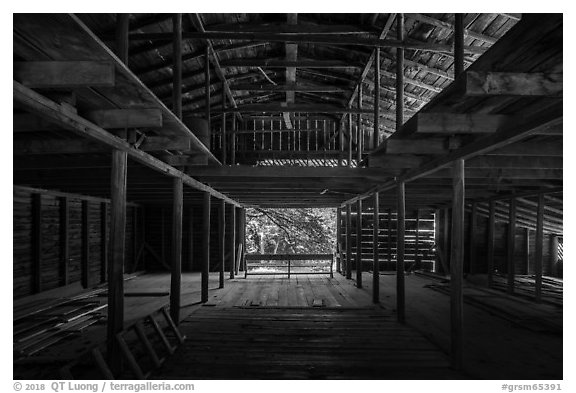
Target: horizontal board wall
(51, 273)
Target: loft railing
(290, 264)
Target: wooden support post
(36, 243)
(221, 241)
(400, 239)
(177, 71)
(511, 246)
(490, 247)
(233, 142)
(207, 85)
(389, 233)
(376, 133)
(85, 253)
(399, 73)
(103, 241)
(359, 244)
(190, 264)
(64, 240)
(232, 237)
(447, 235)
(527, 250)
(116, 257)
(338, 239)
(437, 241)
(223, 156)
(538, 257)
(176, 276)
(242, 227)
(122, 39)
(458, 44)
(359, 133)
(417, 240)
(472, 239)
(350, 140)
(456, 267)
(341, 144)
(206, 247)
(375, 254)
(349, 241)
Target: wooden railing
(275, 264)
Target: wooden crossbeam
(291, 28)
(334, 39)
(71, 146)
(420, 145)
(65, 74)
(125, 118)
(538, 84)
(281, 63)
(551, 149)
(297, 172)
(302, 108)
(453, 123)
(37, 104)
(287, 87)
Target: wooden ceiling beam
(302, 108)
(196, 20)
(125, 118)
(280, 63)
(290, 87)
(538, 84)
(37, 104)
(307, 28)
(65, 74)
(334, 39)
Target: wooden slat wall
(501, 247)
(50, 274)
(426, 239)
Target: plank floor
(309, 327)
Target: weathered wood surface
(41, 37)
(302, 344)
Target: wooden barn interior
(140, 141)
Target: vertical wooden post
(338, 239)
(221, 241)
(359, 133)
(376, 134)
(399, 73)
(349, 140)
(103, 241)
(190, 264)
(375, 254)
(527, 250)
(341, 145)
(122, 39)
(206, 246)
(176, 276)
(232, 238)
(85, 259)
(36, 242)
(400, 239)
(472, 247)
(116, 257)
(64, 240)
(458, 44)
(490, 248)
(224, 135)
(242, 227)
(207, 85)
(177, 72)
(417, 240)
(359, 244)
(389, 233)
(135, 237)
(438, 264)
(511, 245)
(349, 241)
(233, 142)
(447, 235)
(538, 257)
(456, 266)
